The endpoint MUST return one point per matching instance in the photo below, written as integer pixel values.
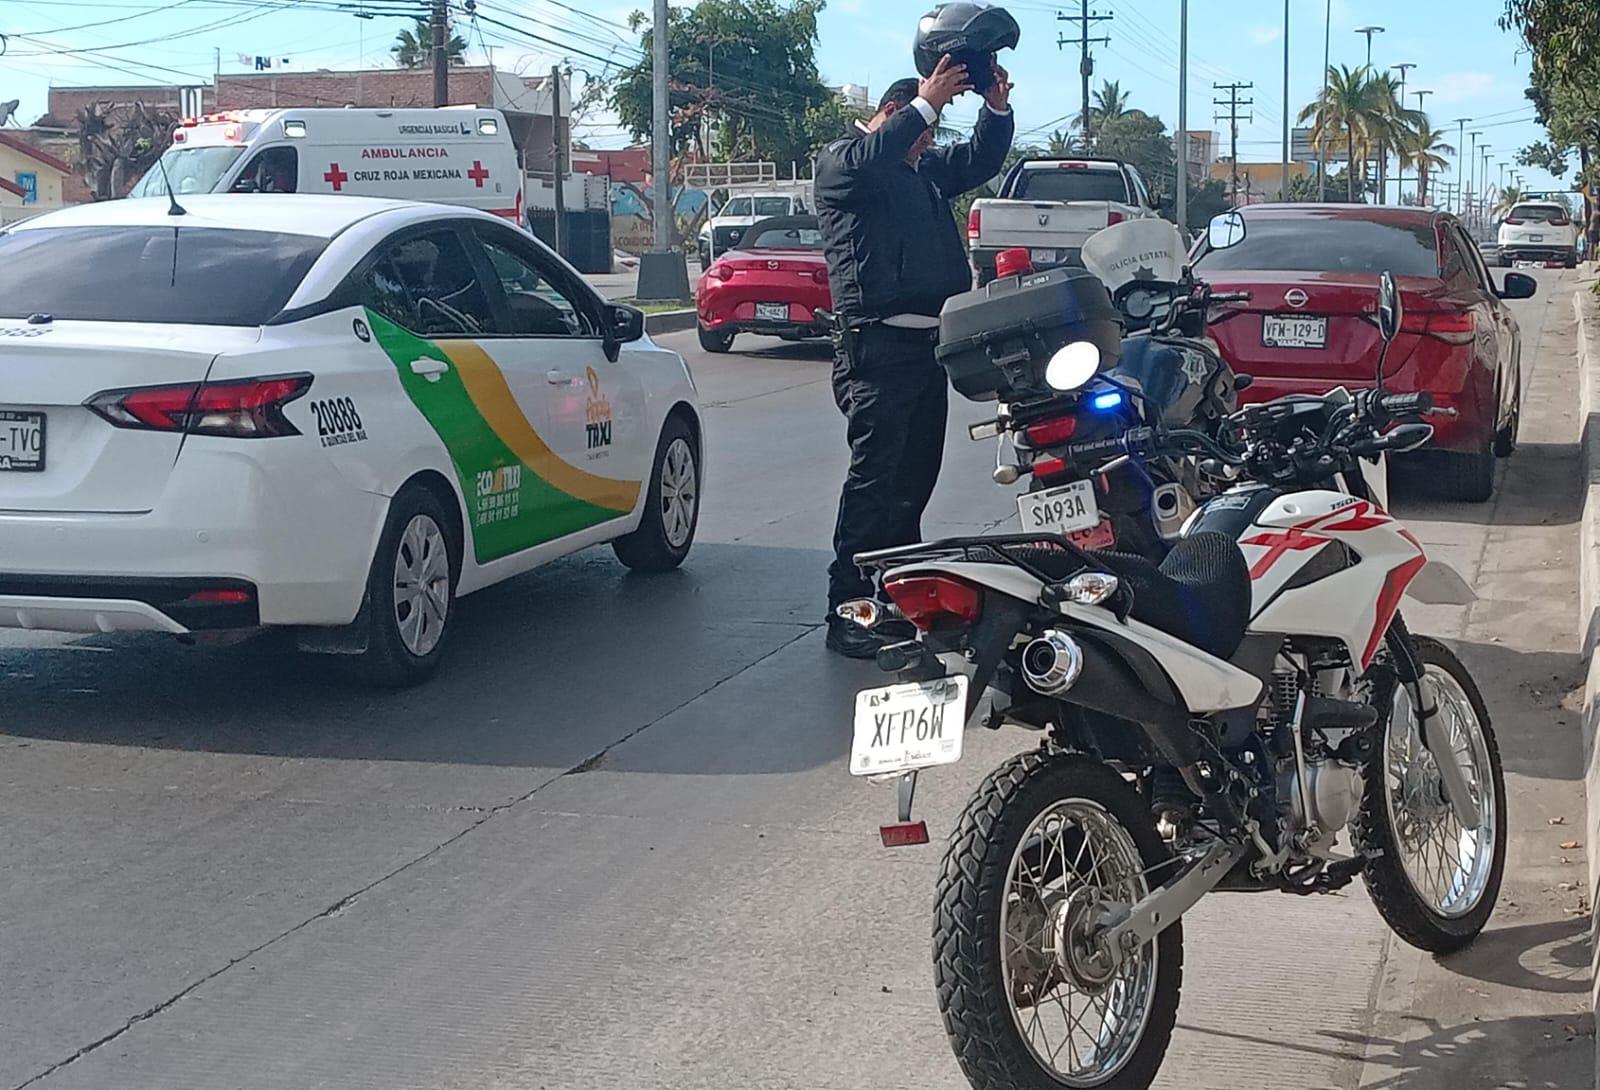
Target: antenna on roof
(176, 209)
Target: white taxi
(331, 413)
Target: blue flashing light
(1107, 401)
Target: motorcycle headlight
(1072, 366)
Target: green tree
(1423, 149)
(413, 47)
(1210, 198)
(1109, 104)
(1510, 197)
(1343, 117)
(1341, 189)
(1141, 140)
(748, 64)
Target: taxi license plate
(915, 725)
(1278, 331)
(21, 441)
(1063, 510)
(772, 312)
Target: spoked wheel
(1436, 879)
(1048, 847)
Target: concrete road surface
(614, 845)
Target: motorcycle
(1215, 722)
(1167, 371)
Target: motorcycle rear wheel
(1433, 881)
(1020, 1016)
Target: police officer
(894, 256)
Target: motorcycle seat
(1200, 593)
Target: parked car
(330, 414)
(773, 283)
(1312, 272)
(1052, 206)
(723, 230)
(1539, 231)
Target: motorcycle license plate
(913, 725)
(772, 312)
(1064, 510)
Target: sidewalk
(622, 282)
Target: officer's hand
(999, 96)
(949, 79)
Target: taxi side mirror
(621, 325)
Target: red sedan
(1311, 324)
(774, 283)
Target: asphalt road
(614, 843)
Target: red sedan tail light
(1451, 327)
(924, 600)
(820, 276)
(721, 271)
(250, 408)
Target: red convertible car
(1312, 272)
(774, 283)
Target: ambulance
(458, 155)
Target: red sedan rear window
(1329, 244)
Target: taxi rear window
(178, 275)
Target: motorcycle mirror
(1072, 366)
(1226, 230)
(1390, 310)
(1243, 382)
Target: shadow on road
(546, 670)
(1538, 486)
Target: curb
(1587, 306)
(670, 321)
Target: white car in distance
(335, 414)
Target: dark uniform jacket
(892, 243)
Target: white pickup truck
(1052, 206)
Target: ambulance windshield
(192, 170)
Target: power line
(1233, 102)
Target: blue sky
(1473, 68)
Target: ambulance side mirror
(622, 325)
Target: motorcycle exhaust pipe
(1052, 663)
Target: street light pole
(1322, 147)
(1283, 190)
(1400, 172)
(662, 273)
(1469, 206)
(1461, 142)
(1484, 217)
(1183, 119)
(1369, 31)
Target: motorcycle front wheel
(1434, 880)
(1045, 847)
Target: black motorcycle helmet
(972, 34)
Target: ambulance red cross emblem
(336, 177)
(477, 174)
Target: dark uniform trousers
(894, 395)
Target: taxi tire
(387, 662)
(715, 340)
(647, 548)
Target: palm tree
(1110, 103)
(1510, 197)
(1423, 150)
(414, 48)
(1344, 115)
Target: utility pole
(438, 23)
(1183, 119)
(1233, 102)
(1369, 31)
(1469, 204)
(1083, 42)
(662, 273)
(1461, 142)
(1322, 148)
(1484, 151)
(1283, 189)
(1400, 170)
(558, 160)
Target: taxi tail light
(925, 600)
(250, 408)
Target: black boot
(851, 640)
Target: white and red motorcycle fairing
(1350, 602)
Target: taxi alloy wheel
(672, 504)
(411, 591)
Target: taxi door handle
(560, 378)
(429, 369)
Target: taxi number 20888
(336, 416)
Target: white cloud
(1265, 35)
(1455, 87)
